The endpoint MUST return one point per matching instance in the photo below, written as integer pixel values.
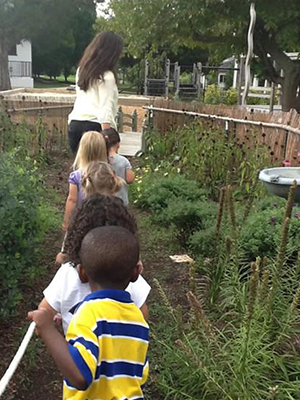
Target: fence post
(134, 121)
(146, 77)
(240, 80)
(198, 79)
(120, 119)
(167, 77)
(177, 79)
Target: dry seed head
(253, 289)
(290, 202)
(179, 343)
(220, 210)
(164, 297)
(231, 207)
(296, 299)
(228, 245)
(281, 252)
(263, 288)
(201, 314)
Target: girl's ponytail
(118, 183)
(100, 178)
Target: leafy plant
(204, 154)
(155, 191)
(24, 222)
(243, 343)
(187, 216)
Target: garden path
(36, 376)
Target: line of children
(66, 289)
(104, 354)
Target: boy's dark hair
(94, 212)
(111, 137)
(109, 254)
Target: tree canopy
(219, 26)
(59, 32)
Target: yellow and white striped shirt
(108, 340)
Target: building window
(222, 78)
(13, 50)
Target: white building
(20, 65)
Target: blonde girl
(99, 178)
(92, 147)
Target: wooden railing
(278, 131)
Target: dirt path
(37, 377)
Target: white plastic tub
(278, 181)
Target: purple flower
(296, 215)
(275, 204)
(272, 220)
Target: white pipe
(249, 53)
(241, 121)
(17, 358)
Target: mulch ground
(37, 376)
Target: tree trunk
(4, 72)
(290, 85)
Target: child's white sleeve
(53, 292)
(139, 291)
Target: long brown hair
(101, 55)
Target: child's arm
(70, 205)
(145, 312)
(58, 347)
(129, 176)
(44, 304)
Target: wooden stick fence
(279, 131)
(47, 124)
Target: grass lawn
(45, 82)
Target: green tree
(59, 31)
(219, 26)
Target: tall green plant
(243, 344)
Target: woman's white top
(99, 103)
(66, 290)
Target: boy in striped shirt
(104, 354)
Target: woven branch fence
(282, 138)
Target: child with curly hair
(66, 288)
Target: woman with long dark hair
(96, 103)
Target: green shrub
(206, 155)
(203, 242)
(187, 216)
(154, 192)
(261, 233)
(214, 95)
(242, 341)
(231, 96)
(24, 221)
